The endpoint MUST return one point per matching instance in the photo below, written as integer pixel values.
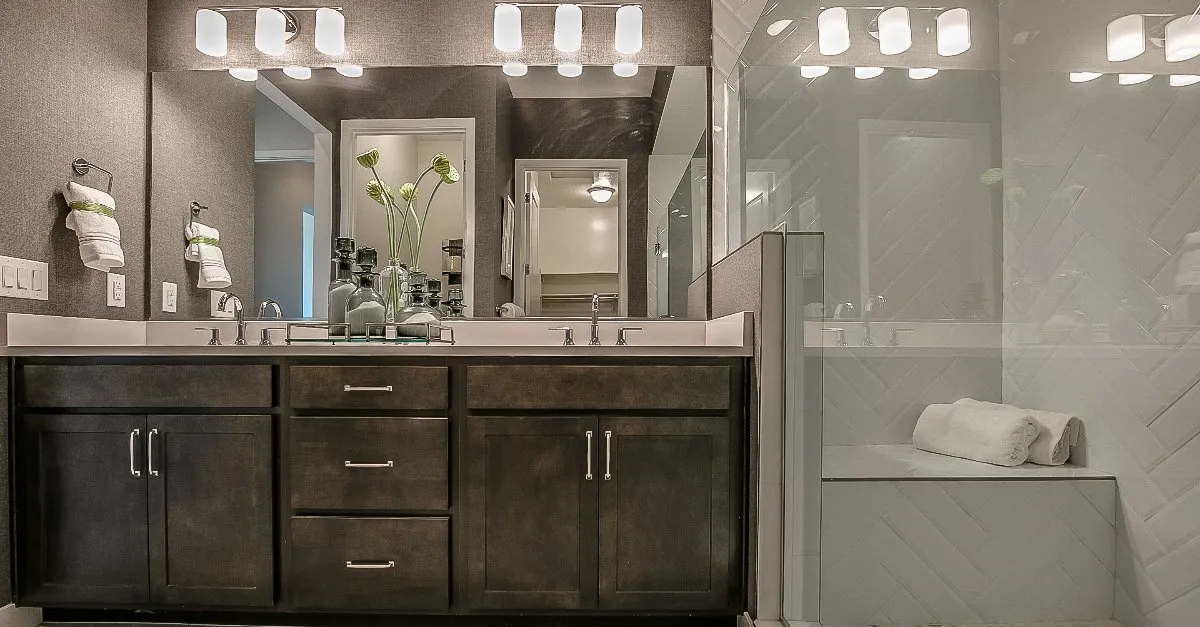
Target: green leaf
(369, 159)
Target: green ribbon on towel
(94, 207)
(211, 241)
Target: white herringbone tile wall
(967, 552)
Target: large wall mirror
(568, 187)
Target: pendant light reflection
(602, 189)
(1184, 80)
(1133, 79)
(298, 72)
(813, 71)
(1126, 38)
(629, 29)
(865, 73)
(954, 32)
(922, 73)
(331, 32)
(833, 31)
(625, 70)
(1083, 77)
(244, 74)
(570, 70)
(507, 28)
(512, 68)
(212, 33)
(568, 28)
(895, 31)
(778, 27)
(349, 70)
(1183, 39)
(270, 32)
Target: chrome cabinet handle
(608, 455)
(387, 464)
(150, 452)
(588, 476)
(132, 456)
(370, 565)
(383, 388)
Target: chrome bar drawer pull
(382, 388)
(588, 476)
(133, 435)
(150, 452)
(370, 565)
(608, 455)
(388, 464)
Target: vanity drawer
(369, 387)
(173, 386)
(370, 563)
(598, 387)
(346, 464)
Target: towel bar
(82, 167)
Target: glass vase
(393, 285)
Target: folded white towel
(1057, 432)
(204, 247)
(91, 218)
(1000, 437)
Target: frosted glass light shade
(954, 32)
(1083, 77)
(297, 72)
(570, 70)
(922, 73)
(568, 28)
(625, 70)
(1183, 80)
(813, 71)
(331, 32)
(507, 28)
(350, 71)
(867, 72)
(833, 31)
(1126, 38)
(895, 31)
(1133, 79)
(513, 68)
(212, 33)
(1183, 39)
(629, 29)
(777, 27)
(270, 32)
(244, 74)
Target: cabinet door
(531, 513)
(81, 501)
(211, 539)
(665, 514)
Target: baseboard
(13, 616)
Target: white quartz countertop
(900, 462)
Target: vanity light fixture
(212, 33)
(895, 31)
(1083, 77)
(331, 32)
(602, 189)
(298, 72)
(568, 28)
(349, 70)
(625, 70)
(270, 31)
(244, 74)
(813, 71)
(1126, 37)
(629, 29)
(507, 28)
(833, 31)
(513, 68)
(1133, 79)
(570, 69)
(865, 73)
(954, 32)
(922, 73)
(1183, 80)
(1183, 38)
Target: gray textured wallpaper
(432, 32)
(54, 111)
(202, 149)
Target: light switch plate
(170, 297)
(116, 290)
(214, 298)
(22, 278)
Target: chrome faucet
(873, 303)
(238, 312)
(837, 311)
(269, 304)
(595, 320)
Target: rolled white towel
(1000, 437)
(1057, 432)
(204, 247)
(92, 219)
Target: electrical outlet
(22, 278)
(170, 297)
(116, 290)
(214, 299)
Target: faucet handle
(841, 341)
(215, 338)
(569, 339)
(896, 335)
(265, 337)
(621, 334)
